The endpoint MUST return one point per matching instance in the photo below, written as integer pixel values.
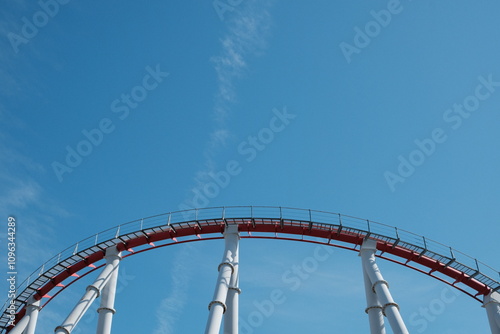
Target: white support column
(106, 309)
(226, 269)
(492, 306)
(381, 287)
(112, 260)
(20, 326)
(32, 311)
(232, 300)
(373, 308)
(27, 324)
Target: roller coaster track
(410, 250)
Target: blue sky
(386, 110)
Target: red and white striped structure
(104, 251)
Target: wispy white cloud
(26, 200)
(23, 197)
(19, 196)
(246, 37)
(171, 307)
(17, 192)
(19, 189)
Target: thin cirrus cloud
(171, 307)
(24, 198)
(246, 36)
(17, 192)
(19, 196)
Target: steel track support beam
(113, 257)
(389, 308)
(226, 270)
(106, 309)
(27, 325)
(232, 300)
(373, 308)
(492, 306)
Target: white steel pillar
(381, 287)
(32, 311)
(113, 258)
(373, 308)
(27, 325)
(226, 270)
(20, 326)
(492, 306)
(232, 300)
(106, 309)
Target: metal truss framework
(370, 239)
